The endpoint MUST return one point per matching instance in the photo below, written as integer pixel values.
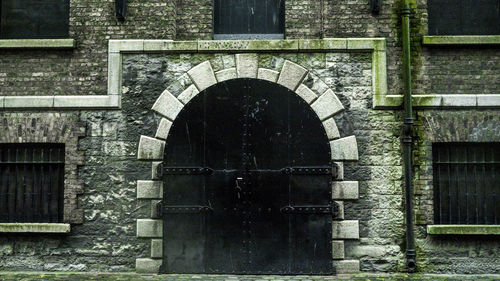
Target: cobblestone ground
(7, 276)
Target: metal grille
(32, 180)
(464, 17)
(34, 19)
(466, 183)
(249, 19)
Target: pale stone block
(346, 266)
(338, 250)
(156, 213)
(291, 75)
(340, 171)
(149, 189)
(246, 65)
(327, 105)
(340, 215)
(189, 93)
(459, 100)
(144, 265)
(156, 248)
(226, 74)
(345, 190)
(488, 100)
(360, 44)
(114, 73)
(163, 129)
(203, 75)
(154, 170)
(344, 149)
(28, 101)
(168, 105)
(89, 101)
(150, 149)
(348, 229)
(148, 228)
(268, 74)
(130, 45)
(332, 131)
(305, 93)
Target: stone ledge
(35, 227)
(37, 43)
(461, 40)
(456, 229)
(439, 101)
(60, 102)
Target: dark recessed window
(34, 19)
(249, 19)
(464, 17)
(31, 182)
(466, 183)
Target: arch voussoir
(327, 105)
(344, 149)
(167, 105)
(246, 65)
(202, 75)
(189, 93)
(268, 74)
(291, 75)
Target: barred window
(34, 19)
(464, 17)
(466, 183)
(249, 19)
(32, 181)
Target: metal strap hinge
(332, 209)
(183, 209)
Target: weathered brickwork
(82, 71)
(52, 128)
(102, 166)
(467, 254)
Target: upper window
(31, 182)
(34, 19)
(466, 183)
(249, 19)
(464, 17)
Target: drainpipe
(407, 137)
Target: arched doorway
(247, 184)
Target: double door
(247, 184)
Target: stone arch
(324, 103)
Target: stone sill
(35, 228)
(37, 43)
(457, 229)
(461, 40)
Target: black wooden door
(247, 184)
